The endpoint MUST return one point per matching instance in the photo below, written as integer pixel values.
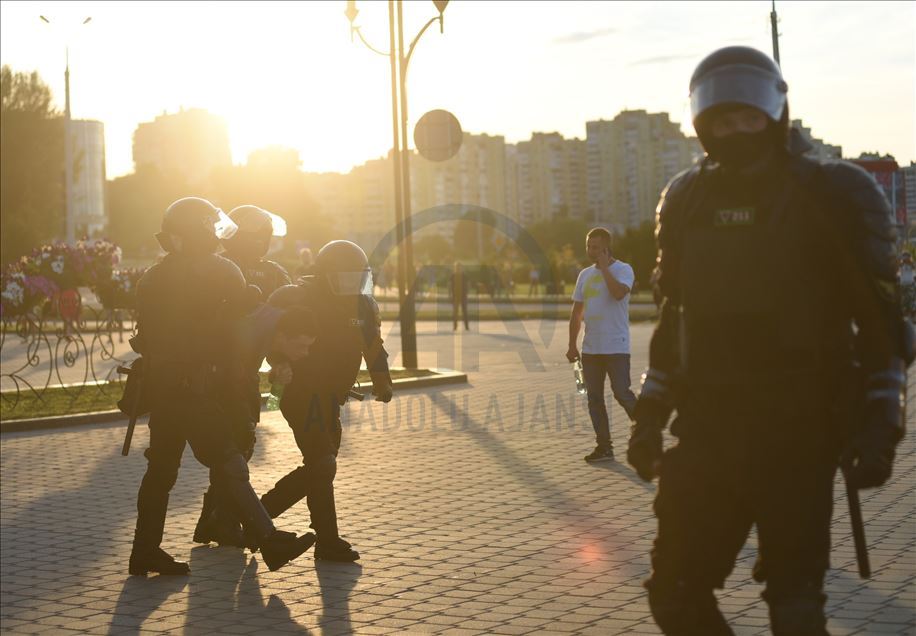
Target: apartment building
(630, 159)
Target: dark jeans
(314, 417)
(462, 304)
(616, 366)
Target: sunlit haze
(287, 73)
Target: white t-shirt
(906, 274)
(607, 320)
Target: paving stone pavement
(471, 506)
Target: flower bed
(49, 271)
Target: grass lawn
(104, 397)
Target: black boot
(281, 547)
(250, 539)
(144, 560)
(335, 549)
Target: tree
(474, 236)
(555, 234)
(32, 170)
(136, 203)
(432, 248)
(637, 247)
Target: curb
(441, 377)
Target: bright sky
(286, 72)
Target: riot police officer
(246, 248)
(777, 274)
(339, 292)
(187, 304)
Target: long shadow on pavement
(226, 592)
(529, 475)
(624, 471)
(336, 581)
(139, 598)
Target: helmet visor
(351, 283)
(278, 223)
(224, 227)
(740, 84)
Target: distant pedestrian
(458, 290)
(601, 299)
(534, 281)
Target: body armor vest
(761, 293)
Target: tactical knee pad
(235, 468)
(324, 468)
(679, 611)
(162, 471)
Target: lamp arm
(417, 39)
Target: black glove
(381, 387)
(869, 457)
(653, 408)
(644, 452)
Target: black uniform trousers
(761, 458)
(175, 421)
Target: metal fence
(42, 354)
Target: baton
(133, 413)
(858, 527)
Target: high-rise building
(550, 175)
(887, 174)
(821, 151)
(88, 143)
(476, 175)
(189, 144)
(359, 203)
(909, 185)
(630, 160)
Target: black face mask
(740, 150)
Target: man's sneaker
(203, 531)
(600, 454)
(155, 560)
(335, 550)
(282, 547)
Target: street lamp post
(70, 222)
(400, 155)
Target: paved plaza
(470, 504)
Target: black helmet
(194, 225)
(738, 75)
(345, 267)
(256, 226)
